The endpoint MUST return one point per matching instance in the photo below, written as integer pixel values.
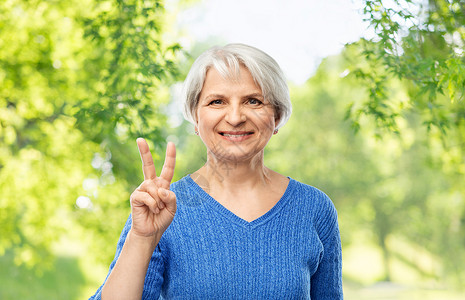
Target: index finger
(147, 161)
(170, 161)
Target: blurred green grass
(394, 291)
(64, 281)
(73, 274)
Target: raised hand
(153, 205)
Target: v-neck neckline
(235, 218)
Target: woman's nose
(235, 116)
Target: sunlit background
(378, 124)
(298, 34)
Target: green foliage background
(380, 128)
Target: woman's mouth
(236, 136)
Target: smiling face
(234, 120)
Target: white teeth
(235, 135)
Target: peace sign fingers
(148, 166)
(170, 161)
(147, 161)
(153, 205)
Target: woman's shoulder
(308, 191)
(309, 196)
(181, 184)
(318, 203)
(187, 192)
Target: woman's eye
(216, 102)
(255, 101)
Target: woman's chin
(237, 156)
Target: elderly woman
(234, 229)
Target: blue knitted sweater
(291, 252)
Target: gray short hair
(227, 61)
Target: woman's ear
(277, 117)
(276, 122)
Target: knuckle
(133, 195)
(152, 189)
(145, 183)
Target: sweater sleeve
(326, 283)
(154, 276)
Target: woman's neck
(232, 175)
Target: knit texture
(291, 252)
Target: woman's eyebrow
(214, 96)
(220, 96)
(254, 95)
